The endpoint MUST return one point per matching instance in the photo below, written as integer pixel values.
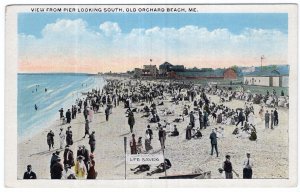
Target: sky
(102, 42)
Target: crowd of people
(146, 100)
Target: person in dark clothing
(69, 136)
(85, 113)
(214, 142)
(162, 137)
(86, 128)
(188, 134)
(227, 167)
(54, 158)
(205, 120)
(68, 116)
(275, 117)
(50, 139)
(74, 110)
(57, 169)
(107, 113)
(161, 167)
(131, 121)
(247, 170)
(61, 113)
(141, 169)
(68, 157)
(174, 133)
(192, 119)
(132, 144)
(86, 155)
(92, 141)
(150, 132)
(241, 118)
(29, 174)
(201, 120)
(197, 135)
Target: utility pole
(261, 59)
(125, 146)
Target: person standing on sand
(131, 120)
(107, 113)
(205, 120)
(267, 119)
(68, 116)
(133, 149)
(29, 174)
(50, 139)
(69, 137)
(139, 146)
(85, 113)
(227, 167)
(62, 138)
(162, 137)
(241, 118)
(80, 168)
(61, 113)
(57, 169)
(275, 117)
(92, 141)
(68, 156)
(192, 119)
(150, 132)
(92, 173)
(73, 112)
(86, 155)
(272, 119)
(188, 134)
(248, 164)
(91, 114)
(214, 142)
(87, 128)
(54, 158)
(261, 112)
(148, 146)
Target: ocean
(62, 92)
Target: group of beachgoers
(147, 99)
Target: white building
(270, 78)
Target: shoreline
(53, 120)
(186, 156)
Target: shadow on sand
(53, 150)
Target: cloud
(75, 42)
(110, 28)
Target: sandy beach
(269, 152)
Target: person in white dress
(62, 139)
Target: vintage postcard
(167, 95)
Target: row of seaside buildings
(275, 76)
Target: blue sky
(33, 23)
(120, 42)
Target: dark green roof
(265, 73)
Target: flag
(150, 60)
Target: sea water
(62, 92)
